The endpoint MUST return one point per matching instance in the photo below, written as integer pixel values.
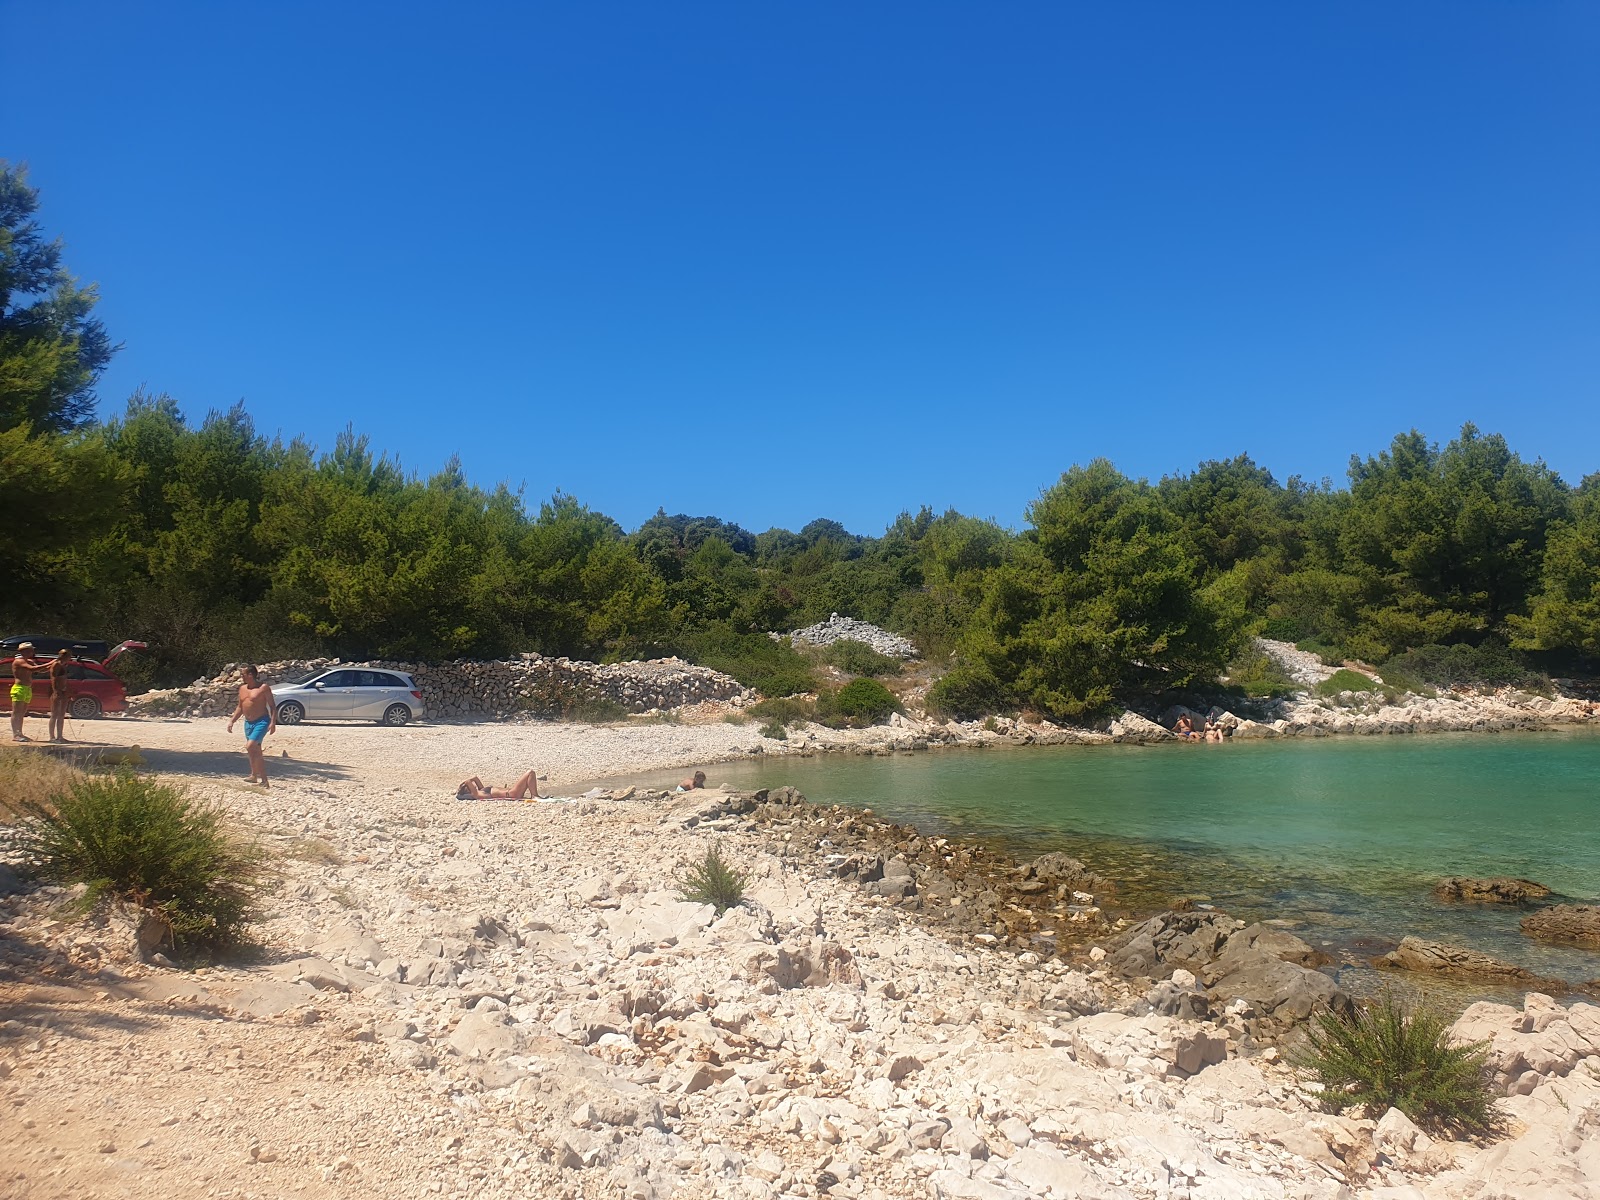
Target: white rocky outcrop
(837, 628)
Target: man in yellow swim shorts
(22, 667)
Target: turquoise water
(1344, 836)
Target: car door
(333, 697)
(372, 695)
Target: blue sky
(778, 262)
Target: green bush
(1490, 665)
(864, 702)
(857, 658)
(775, 731)
(1330, 654)
(1345, 680)
(769, 665)
(1257, 674)
(784, 710)
(1386, 1057)
(714, 881)
(967, 693)
(1283, 629)
(151, 845)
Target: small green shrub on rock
(858, 658)
(863, 702)
(1385, 1056)
(775, 731)
(1345, 680)
(714, 881)
(152, 846)
(967, 693)
(784, 710)
(1258, 675)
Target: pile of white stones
(837, 628)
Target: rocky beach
(510, 999)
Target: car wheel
(396, 714)
(290, 713)
(84, 708)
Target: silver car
(349, 694)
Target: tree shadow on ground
(232, 764)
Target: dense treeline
(215, 543)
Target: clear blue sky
(775, 262)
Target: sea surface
(1343, 837)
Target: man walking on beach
(260, 718)
(22, 669)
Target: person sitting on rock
(526, 788)
(697, 780)
(1214, 731)
(1185, 728)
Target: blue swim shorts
(255, 731)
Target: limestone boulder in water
(1568, 924)
(1502, 889)
(1456, 962)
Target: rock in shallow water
(1568, 924)
(1502, 889)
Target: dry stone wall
(528, 686)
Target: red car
(92, 688)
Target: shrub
(1489, 665)
(1345, 680)
(1386, 1057)
(857, 658)
(775, 731)
(862, 702)
(714, 881)
(1330, 654)
(769, 665)
(150, 845)
(1257, 674)
(784, 710)
(598, 710)
(967, 693)
(1283, 629)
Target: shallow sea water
(1345, 837)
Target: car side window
(340, 679)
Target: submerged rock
(1568, 924)
(1502, 889)
(1458, 962)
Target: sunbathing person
(1185, 727)
(526, 788)
(697, 780)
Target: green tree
(62, 492)
(1451, 540)
(51, 349)
(1101, 600)
(1565, 613)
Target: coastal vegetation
(1387, 1056)
(136, 841)
(1441, 565)
(714, 881)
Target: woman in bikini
(59, 687)
(526, 788)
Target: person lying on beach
(697, 780)
(526, 788)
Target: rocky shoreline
(511, 1000)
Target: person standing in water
(260, 715)
(59, 667)
(22, 669)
